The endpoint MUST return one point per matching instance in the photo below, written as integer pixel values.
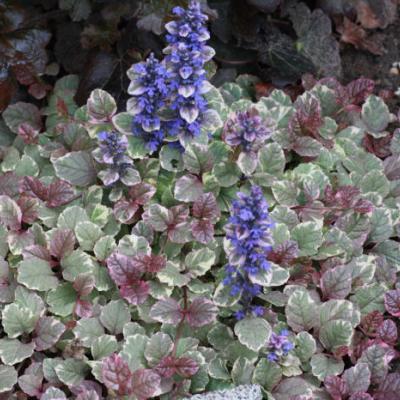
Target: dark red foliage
(170, 365)
(336, 387)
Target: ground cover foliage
(204, 237)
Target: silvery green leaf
(375, 115)
(103, 346)
(72, 371)
(335, 334)
(87, 330)
(272, 159)
(76, 263)
(247, 162)
(217, 369)
(242, 371)
(133, 351)
(101, 106)
(8, 378)
(253, 332)
(17, 320)
(188, 188)
(158, 347)
(324, 365)
(267, 374)
(357, 378)
(198, 262)
(370, 298)
(309, 237)
(305, 346)
(87, 234)
(292, 387)
(37, 274)
(285, 193)
(301, 311)
(12, 351)
(70, 217)
(53, 394)
(114, 315)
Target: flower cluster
(249, 232)
(111, 151)
(246, 129)
(186, 55)
(150, 88)
(279, 345)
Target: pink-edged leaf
(392, 302)
(9, 184)
(29, 207)
(125, 210)
(62, 243)
(28, 133)
(336, 282)
(336, 387)
(284, 253)
(202, 230)
(392, 167)
(178, 215)
(31, 384)
(37, 251)
(363, 206)
(308, 115)
(84, 284)
(117, 375)
(59, 193)
(48, 331)
(378, 146)
(371, 322)
(206, 207)
(179, 233)
(343, 197)
(149, 263)
(357, 91)
(86, 386)
(387, 332)
(122, 270)
(136, 293)
(88, 395)
(186, 367)
(361, 396)
(84, 308)
(141, 193)
(166, 367)
(10, 213)
(145, 383)
(31, 186)
(167, 311)
(201, 312)
(389, 388)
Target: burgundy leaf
(84, 284)
(122, 269)
(371, 322)
(358, 90)
(28, 133)
(167, 311)
(84, 308)
(149, 263)
(59, 193)
(363, 206)
(145, 383)
(336, 282)
(166, 367)
(201, 312)
(336, 387)
(392, 302)
(87, 386)
(88, 395)
(136, 293)
(33, 187)
(389, 388)
(392, 167)
(284, 253)
(343, 197)
(117, 375)
(206, 207)
(179, 214)
(186, 367)
(48, 330)
(62, 243)
(378, 146)
(125, 210)
(10, 213)
(387, 332)
(361, 396)
(31, 384)
(202, 230)
(9, 184)
(141, 193)
(29, 207)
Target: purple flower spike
(249, 231)
(186, 55)
(246, 129)
(279, 345)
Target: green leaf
(52, 393)
(323, 365)
(88, 234)
(305, 346)
(271, 159)
(292, 387)
(370, 298)
(227, 173)
(13, 351)
(104, 247)
(376, 116)
(10, 213)
(171, 159)
(339, 309)
(36, 274)
(198, 262)
(76, 263)
(103, 346)
(101, 106)
(357, 378)
(375, 181)
(188, 188)
(16, 114)
(309, 237)
(247, 162)
(253, 332)
(27, 167)
(335, 334)
(375, 357)
(123, 122)
(300, 311)
(242, 371)
(159, 346)
(133, 351)
(62, 300)
(381, 225)
(285, 193)
(217, 369)
(220, 336)
(77, 168)
(87, 330)
(197, 158)
(70, 217)
(114, 316)
(267, 374)
(8, 378)
(279, 275)
(72, 371)
(17, 320)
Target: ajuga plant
(264, 249)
